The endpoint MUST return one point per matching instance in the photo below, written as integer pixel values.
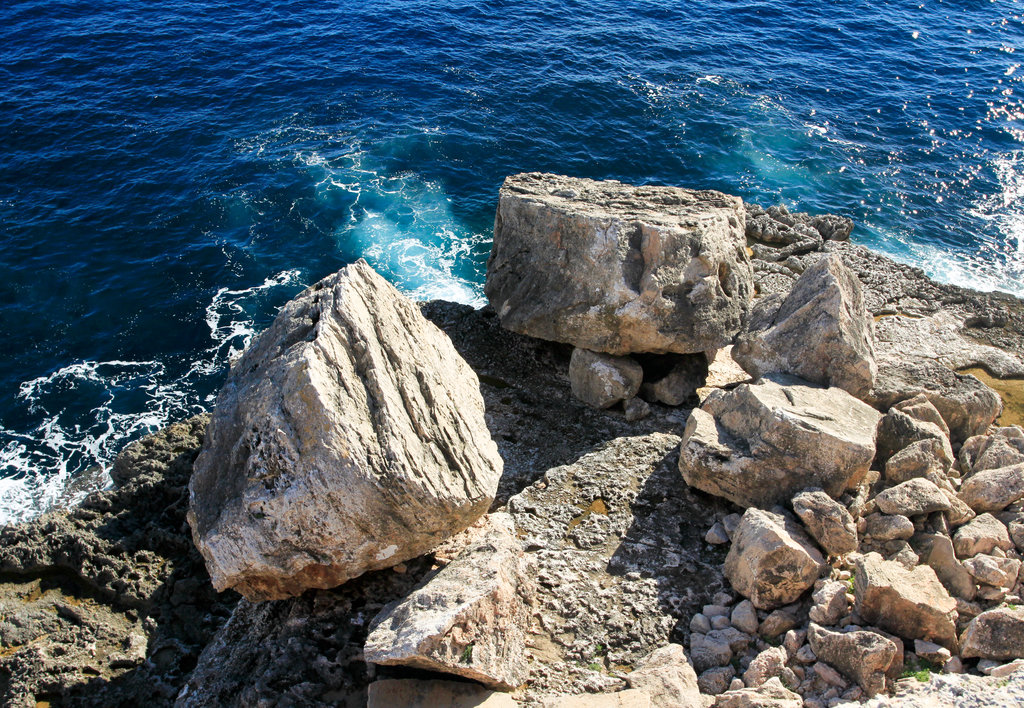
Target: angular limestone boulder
(864, 657)
(981, 535)
(822, 332)
(936, 550)
(1003, 448)
(900, 428)
(667, 676)
(827, 521)
(924, 458)
(602, 380)
(995, 634)
(760, 444)
(770, 694)
(618, 269)
(350, 436)
(912, 604)
(771, 562)
(912, 498)
(470, 619)
(993, 490)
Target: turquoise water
(172, 174)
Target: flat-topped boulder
(760, 444)
(349, 437)
(616, 268)
(821, 332)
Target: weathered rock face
(822, 332)
(772, 561)
(760, 444)
(995, 634)
(1003, 448)
(415, 693)
(602, 380)
(911, 604)
(667, 676)
(350, 436)
(619, 269)
(981, 535)
(864, 657)
(827, 521)
(993, 490)
(912, 498)
(770, 694)
(470, 619)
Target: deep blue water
(171, 173)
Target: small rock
(959, 513)
(700, 624)
(827, 521)
(730, 522)
(899, 429)
(864, 657)
(994, 634)
(771, 562)
(924, 458)
(888, 527)
(793, 640)
(1006, 669)
(830, 603)
(712, 611)
(937, 552)
(829, 675)
(981, 535)
(920, 408)
(744, 617)
(667, 676)
(720, 622)
(736, 684)
(777, 623)
(912, 498)
(998, 572)
(932, 652)
(953, 666)
(602, 380)
(716, 535)
(911, 604)
(716, 680)
(636, 409)
(770, 662)
(806, 655)
(707, 651)
(770, 694)
(994, 490)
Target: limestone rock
(827, 521)
(416, 693)
(602, 380)
(667, 676)
(888, 527)
(350, 436)
(778, 622)
(630, 698)
(864, 657)
(716, 680)
(912, 498)
(744, 617)
(911, 604)
(994, 490)
(772, 561)
(937, 552)
(966, 404)
(830, 603)
(924, 458)
(994, 634)
(770, 694)
(898, 429)
(469, 620)
(618, 269)
(821, 332)
(768, 663)
(994, 571)
(673, 379)
(981, 535)
(760, 444)
(1003, 448)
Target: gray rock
(981, 535)
(618, 269)
(768, 663)
(827, 521)
(772, 561)
(924, 458)
(709, 650)
(778, 622)
(910, 604)
(995, 634)
(994, 489)
(771, 694)
(744, 617)
(667, 676)
(636, 409)
(889, 527)
(350, 436)
(821, 332)
(602, 380)
(716, 535)
(758, 445)
(864, 657)
(912, 498)
(990, 570)
(930, 651)
(830, 603)
(469, 620)
(899, 429)
(716, 680)
(1002, 448)
(417, 693)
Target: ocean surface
(172, 173)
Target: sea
(171, 173)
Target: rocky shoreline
(640, 589)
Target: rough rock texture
(350, 436)
(994, 489)
(821, 332)
(471, 619)
(770, 694)
(912, 498)
(924, 458)
(602, 380)
(759, 444)
(109, 603)
(864, 657)
(936, 550)
(772, 561)
(827, 521)
(995, 634)
(413, 693)
(667, 676)
(1003, 448)
(981, 535)
(618, 269)
(912, 604)
(899, 429)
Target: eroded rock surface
(615, 268)
(350, 436)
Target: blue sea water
(172, 173)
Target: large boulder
(912, 604)
(469, 620)
(911, 498)
(762, 443)
(349, 437)
(616, 268)
(995, 634)
(772, 562)
(862, 656)
(993, 490)
(827, 521)
(1003, 448)
(822, 332)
